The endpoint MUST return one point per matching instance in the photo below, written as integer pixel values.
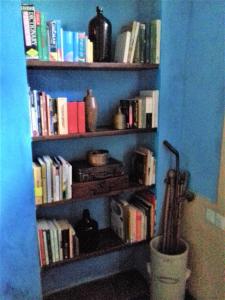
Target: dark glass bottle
(87, 233)
(100, 32)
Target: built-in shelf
(104, 131)
(133, 187)
(108, 242)
(38, 64)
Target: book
(33, 114)
(52, 40)
(43, 178)
(37, 111)
(155, 41)
(54, 116)
(155, 104)
(44, 38)
(68, 47)
(122, 47)
(81, 46)
(38, 34)
(75, 46)
(62, 115)
(41, 245)
(48, 161)
(38, 192)
(49, 113)
(72, 117)
(59, 41)
(89, 51)
(29, 31)
(133, 40)
(117, 218)
(81, 116)
(43, 108)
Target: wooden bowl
(98, 158)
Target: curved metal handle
(175, 152)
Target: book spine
(142, 42)
(62, 115)
(68, 45)
(37, 110)
(81, 116)
(82, 46)
(29, 31)
(75, 46)
(59, 40)
(44, 39)
(147, 44)
(38, 33)
(135, 113)
(55, 116)
(72, 117)
(155, 41)
(124, 104)
(49, 115)
(33, 115)
(41, 248)
(143, 112)
(52, 40)
(37, 184)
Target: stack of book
(144, 166)
(55, 116)
(49, 42)
(139, 43)
(141, 111)
(57, 241)
(52, 179)
(133, 220)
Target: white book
(62, 115)
(155, 104)
(59, 239)
(133, 40)
(122, 47)
(67, 178)
(55, 181)
(44, 178)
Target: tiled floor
(123, 286)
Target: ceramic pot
(91, 111)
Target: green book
(44, 38)
(155, 42)
(38, 33)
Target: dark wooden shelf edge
(98, 133)
(120, 246)
(37, 64)
(133, 187)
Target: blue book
(75, 46)
(68, 45)
(59, 39)
(82, 47)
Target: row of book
(48, 41)
(144, 166)
(139, 43)
(55, 116)
(57, 241)
(52, 179)
(133, 220)
(141, 111)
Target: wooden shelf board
(38, 64)
(103, 131)
(133, 187)
(108, 242)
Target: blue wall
(19, 266)
(192, 91)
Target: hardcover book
(122, 47)
(29, 31)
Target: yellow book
(37, 183)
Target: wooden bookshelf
(38, 64)
(108, 242)
(132, 188)
(103, 131)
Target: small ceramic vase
(91, 111)
(119, 120)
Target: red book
(81, 116)
(72, 117)
(41, 247)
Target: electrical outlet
(210, 215)
(220, 221)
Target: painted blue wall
(19, 266)
(192, 91)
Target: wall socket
(214, 218)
